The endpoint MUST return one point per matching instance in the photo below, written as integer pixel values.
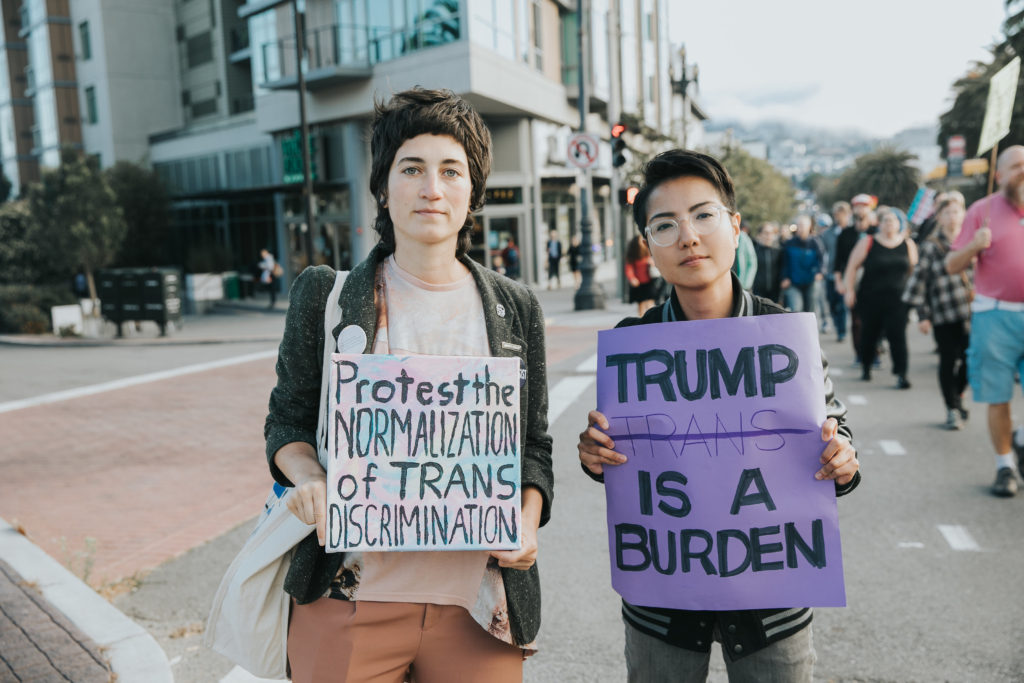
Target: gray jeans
(649, 660)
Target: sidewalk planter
(202, 290)
(67, 320)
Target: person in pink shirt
(993, 238)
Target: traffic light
(618, 145)
(627, 195)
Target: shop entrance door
(490, 245)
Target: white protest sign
(424, 453)
(1002, 90)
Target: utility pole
(684, 87)
(621, 226)
(590, 295)
(299, 19)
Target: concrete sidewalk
(251, 320)
(55, 627)
(228, 322)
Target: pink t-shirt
(1000, 269)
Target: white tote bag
(248, 621)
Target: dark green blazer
(515, 328)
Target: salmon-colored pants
(333, 640)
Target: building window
(570, 51)
(494, 25)
(83, 35)
(200, 49)
(538, 37)
(90, 105)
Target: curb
(54, 342)
(134, 654)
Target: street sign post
(999, 108)
(583, 150)
(956, 150)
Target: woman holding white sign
(687, 213)
(432, 615)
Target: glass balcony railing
(353, 47)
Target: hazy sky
(876, 65)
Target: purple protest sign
(717, 507)
(424, 453)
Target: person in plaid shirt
(943, 304)
(993, 239)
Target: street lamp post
(590, 295)
(298, 18)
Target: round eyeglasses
(705, 220)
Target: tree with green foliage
(21, 259)
(76, 218)
(825, 189)
(886, 173)
(29, 283)
(146, 206)
(762, 192)
(970, 91)
(967, 114)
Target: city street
(147, 490)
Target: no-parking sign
(583, 150)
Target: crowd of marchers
(866, 271)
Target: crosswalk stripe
(563, 395)
(588, 365)
(240, 675)
(958, 537)
(857, 400)
(892, 447)
(132, 381)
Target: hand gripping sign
(425, 453)
(717, 507)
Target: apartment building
(237, 175)
(206, 91)
(95, 75)
(39, 108)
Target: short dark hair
(419, 111)
(682, 163)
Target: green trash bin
(232, 290)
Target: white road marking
(564, 394)
(132, 381)
(857, 400)
(911, 544)
(958, 537)
(892, 447)
(836, 372)
(588, 365)
(240, 675)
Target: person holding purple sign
(687, 212)
(430, 616)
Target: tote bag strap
(332, 316)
